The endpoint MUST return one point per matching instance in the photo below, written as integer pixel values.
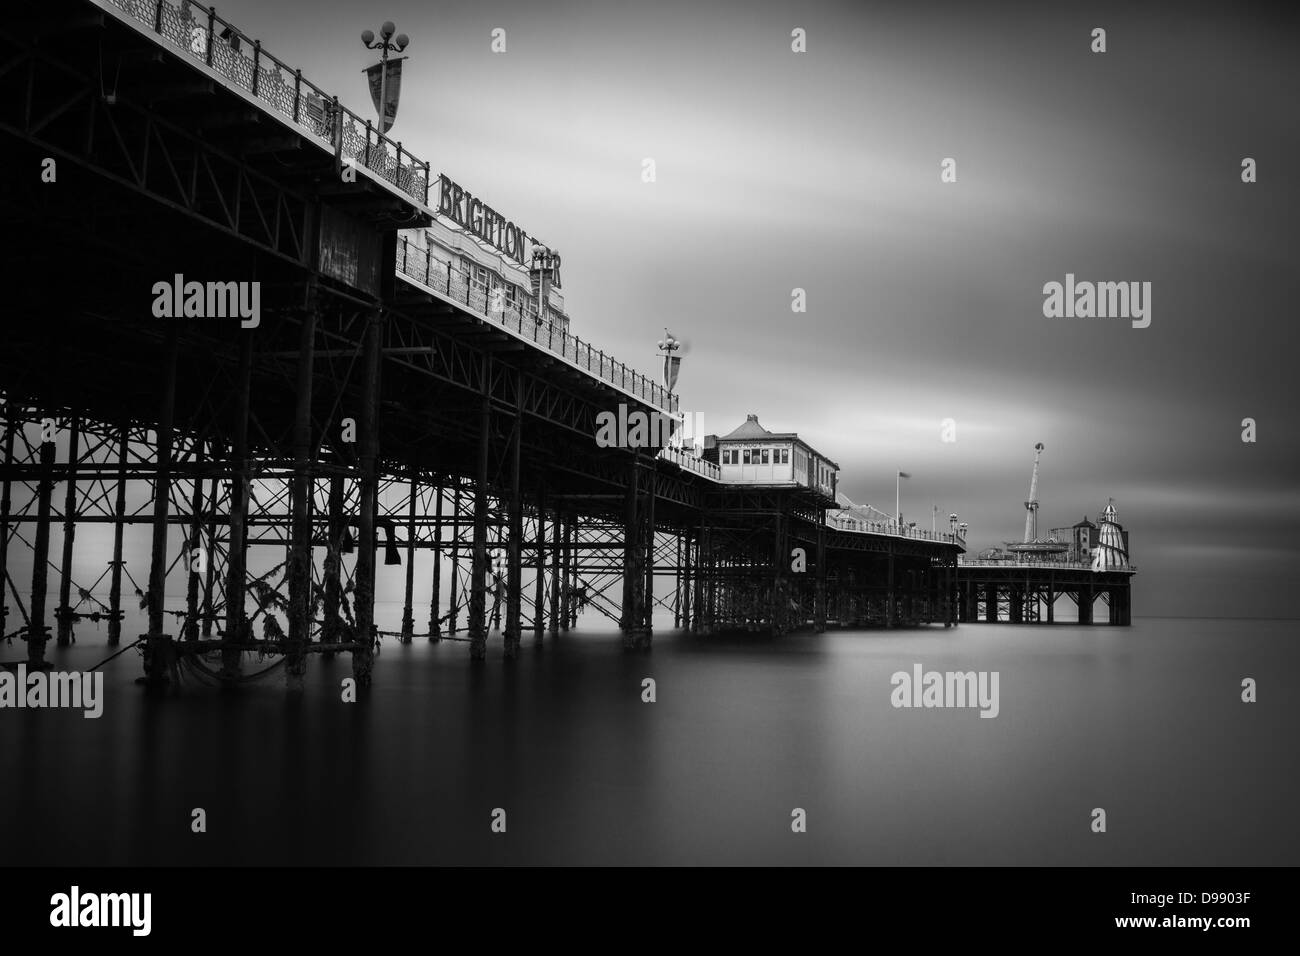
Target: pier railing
(691, 463)
(890, 528)
(420, 264)
(226, 50)
(1031, 563)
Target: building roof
(1085, 523)
(751, 430)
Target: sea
(753, 750)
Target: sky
(820, 170)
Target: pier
(1021, 582)
(381, 402)
(1026, 593)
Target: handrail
(1031, 563)
(860, 526)
(421, 265)
(689, 462)
(222, 47)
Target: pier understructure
(1026, 593)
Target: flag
(903, 474)
(671, 364)
(392, 91)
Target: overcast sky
(821, 170)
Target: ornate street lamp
(386, 44)
(672, 363)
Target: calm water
(1146, 722)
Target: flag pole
(383, 89)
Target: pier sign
(481, 220)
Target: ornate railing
(519, 317)
(221, 46)
(691, 463)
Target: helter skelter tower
(1110, 553)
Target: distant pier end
(1021, 582)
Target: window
(728, 456)
(766, 459)
(478, 275)
(747, 456)
(785, 456)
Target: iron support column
(555, 573)
(158, 650)
(191, 630)
(36, 627)
(435, 599)
(300, 549)
(408, 608)
(363, 605)
(64, 613)
(514, 543)
(539, 584)
(336, 527)
(479, 565)
(5, 504)
(453, 602)
(236, 562)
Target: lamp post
(667, 346)
(546, 268)
(898, 510)
(386, 44)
